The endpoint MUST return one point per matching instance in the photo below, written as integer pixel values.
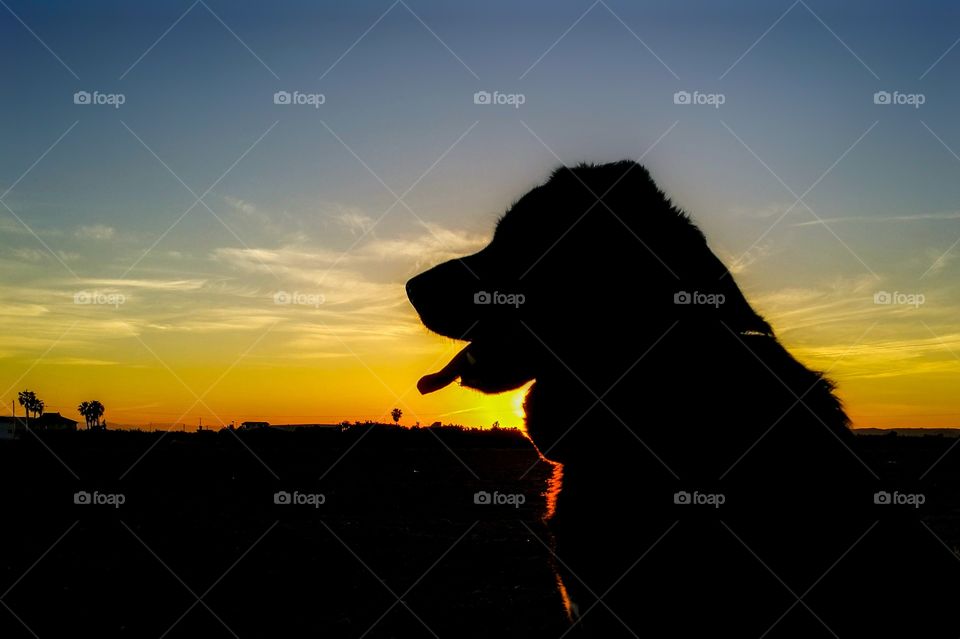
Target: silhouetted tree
(98, 410)
(25, 398)
(31, 404)
(84, 409)
(396, 413)
(91, 411)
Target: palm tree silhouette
(31, 404)
(91, 411)
(25, 398)
(396, 413)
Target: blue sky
(304, 199)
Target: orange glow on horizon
(886, 384)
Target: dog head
(582, 272)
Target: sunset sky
(198, 203)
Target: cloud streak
(889, 219)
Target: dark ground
(398, 549)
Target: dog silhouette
(710, 480)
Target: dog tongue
(448, 374)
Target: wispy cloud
(356, 222)
(937, 260)
(240, 205)
(219, 320)
(888, 219)
(738, 264)
(434, 245)
(771, 210)
(32, 255)
(148, 284)
(249, 210)
(304, 261)
(95, 232)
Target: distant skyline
(195, 247)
